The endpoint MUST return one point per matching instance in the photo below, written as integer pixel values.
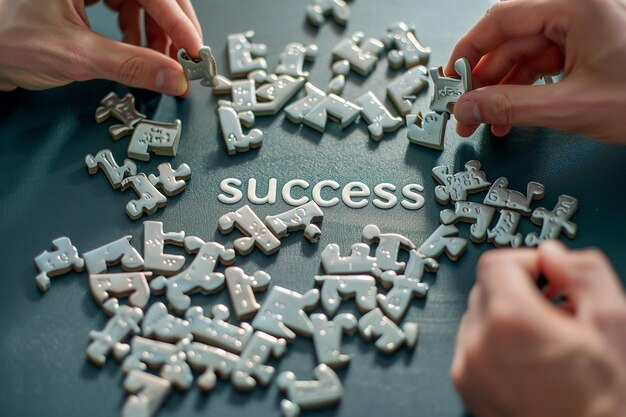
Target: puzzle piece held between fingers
(115, 173)
(171, 181)
(299, 218)
(157, 137)
(204, 68)
(241, 289)
(338, 287)
(244, 56)
(120, 250)
(123, 110)
(146, 394)
(457, 186)
(252, 226)
(62, 260)
(211, 361)
(448, 90)
(444, 239)
(362, 53)
(251, 367)
(232, 132)
(377, 116)
(317, 11)
(500, 196)
(467, 211)
(503, 233)
(293, 57)
(327, 338)
(554, 222)
(150, 199)
(324, 391)
(408, 84)
(407, 50)
(133, 285)
(389, 337)
(428, 130)
(389, 245)
(216, 330)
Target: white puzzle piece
(377, 116)
(123, 110)
(150, 199)
(154, 240)
(407, 85)
(62, 260)
(323, 391)
(293, 57)
(123, 323)
(244, 56)
(115, 173)
(457, 186)
(341, 69)
(298, 109)
(554, 222)
(171, 181)
(198, 276)
(283, 313)
(120, 250)
(405, 48)
(503, 233)
(362, 53)
(241, 288)
(448, 90)
(204, 68)
(299, 218)
(248, 223)
(478, 214)
(444, 239)
(359, 261)
(406, 286)
(159, 138)
(232, 132)
(389, 337)
(252, 367)
(216, 330)
(133, 285)
(210, 361)
(389, 245)
(159, 324)
(147, 393)
(335, 288)
(317, 11)
(334, 108)
(428, 130)
(500, 196)
(327, 338)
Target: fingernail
(467, 113)
(552, 249)
(171, 82)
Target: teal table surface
(48, 193)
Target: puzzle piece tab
(216, 330)
(241, 288)
(147, 393)
(133, 285)
(338, 287)
(62, 260)
(359, 261)
(389, 245)
(377, 116)
(389, 337)
(457, 186)
(123, 110)
(317, 11)
(478, 214)
(204, 68)
(150, 199)
(159, 324)
(428, 130)
(251, 367)
(154, 240)
(252, 226)
(324, 391)
(448, 90)
(500, 196)
(120, 250)
(299, 218)
(211, 361)
(503, 233)
(293, 57)
(401, 89)
(232, 132)
(115, 173)
(171, 181)
(362, 53)
(327, 338)
(554, 222)
(244, 56)
(405, 48)
(157, 137)
(444, 239)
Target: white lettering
(271, 192)
(287, 192)
(229, 185)
(355, 189)
(317, 193)
(385, 190)
(415, 201)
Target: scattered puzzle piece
(503, 233)
(159, 324)
(362, 53)
(120, 250)
(298, 109)
(377, 116)
(447, 90)
(241, 289)
(124, 322)
(133, 285)
(359, 261)
(405, 86)
(150, 199)
(232, 132)
(211, 361)
(171, 181)
(341, 69)
(297, 219)
(406, 49)
(337, 287)
(293, 57)
(154, 239)
(115, 173)
(466, 211)
(327, 338)
(457, 186)
(317, 11)
(250, 225)
(199, 276)
(62, 260)
(389, 337)
(123, 110)
(216, 330)
(244, 56)
(283, 313)
(324, 391)
(157, 137)
(251, 366)
(428, 130)
(147, 393)
(337, 108)
(389, 245)
(204, 68)
(500, 196)
(406, 286)
(554, 222)
(444, 239)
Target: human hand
(46, 44)
(518, 41)
(517, 354)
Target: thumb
(132, 65)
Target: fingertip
(171, 81)
(552, 250)
(500, 130)
(465, 131)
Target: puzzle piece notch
(124, 321)
(293, 57)
(241, 288)
(133, 285)
(159, 324)
(248, 223)
(153, 243)
(123, 110)
(120, 250)
(204, 68)
(216, 330)
(318, 10)
(171, 181)
(199, 275)
(160, 138)
(298, 218)
(428, 130)
(115, 173)
(150, 199)
(554, 222)
(389, 337)
(406, 49)
(456, 187)
(479, 215)
(389, 246)
(362, 53)
(379, 119)
(211, 361)
(245, 56)
(232, 132)
(327, 337)
(500, 196)
(325, 390)
(359, 261)
(251, 367)
(503, 233)
(283, 313)
(147, 393)
(444, 239)
(338, 287)
(405, 86)
(447, 90)
(63, 259)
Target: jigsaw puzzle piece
(63, 259)
(500, 196)
(204, 68)
(232, 132)
(327, 338)
(153, 243)
(252, 367)
(216, 330)
(428, 130)
(147, 393)
(241, 288)
(299, 218)
(244, 56)
(389, 337)
(97, 260)
(359, 261)
(377, 116)
(150, 199)
(405, 48)
(248, 223)
(325, 390)
(389, 245)
(503, 233)
(210, 361)
(456, 187)
(448, 90)
(159, 138)
(159, 324)
(171, 181)
(293, 57)
(554, 222)
(317, 11)
(362, 53)
(115, 173)
(123, 110)
(478, 214)
(444, 239)
(338, 287)
(133, 285)
(401, 89)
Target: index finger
(176, 24)
(503, 21)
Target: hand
(518, 41)
(517, 354)
(46, 44)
